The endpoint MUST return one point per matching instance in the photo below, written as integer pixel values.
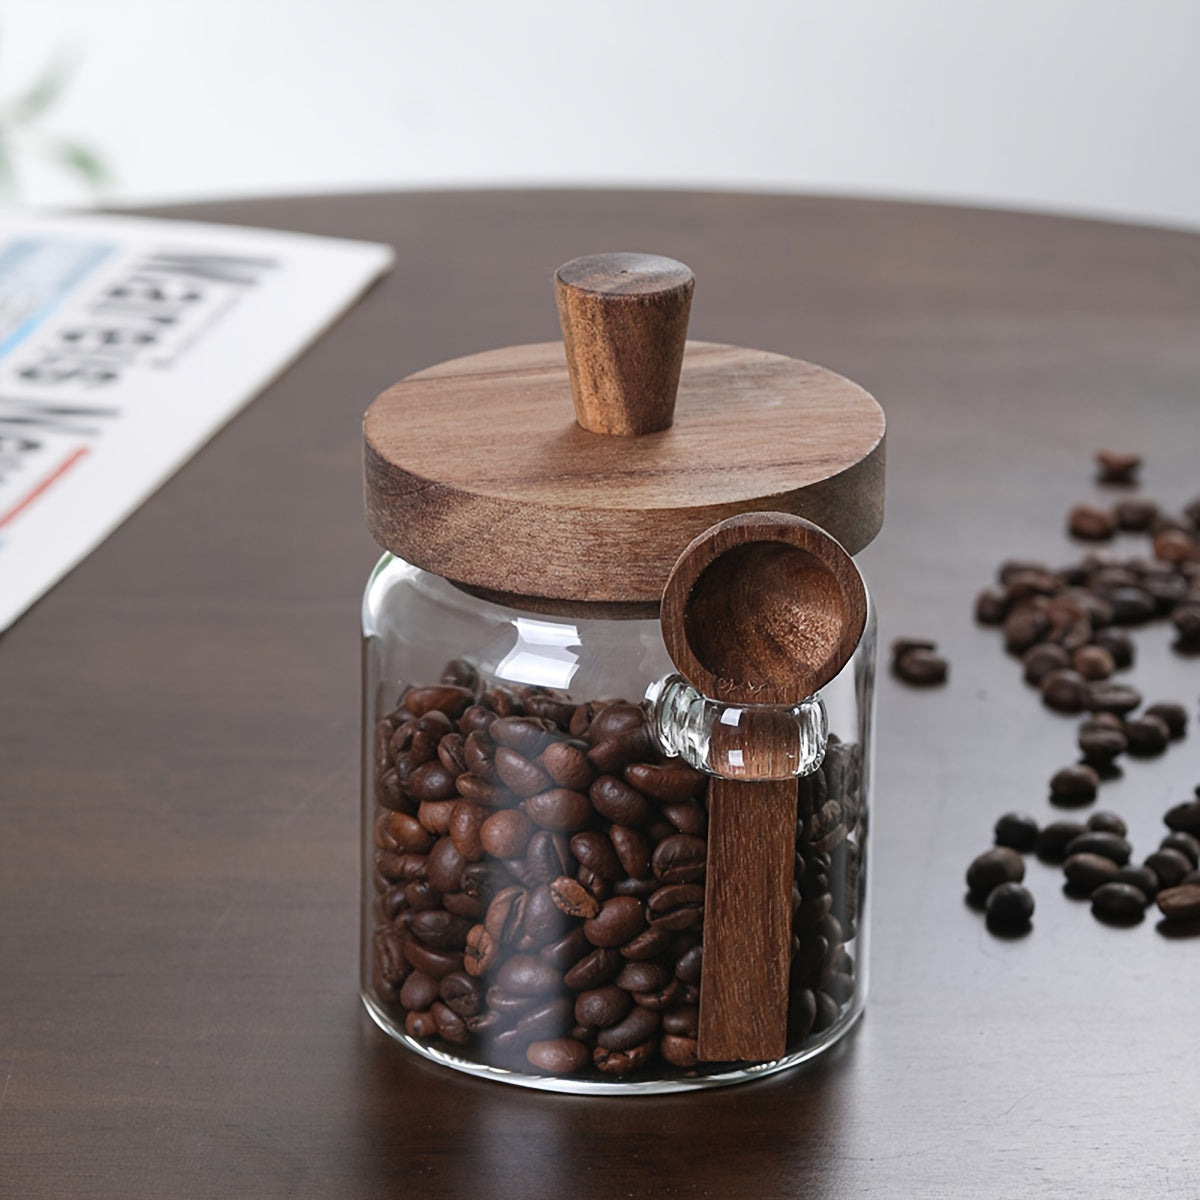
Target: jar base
(565, 1085)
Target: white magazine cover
(125, 343)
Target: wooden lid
(477, 470)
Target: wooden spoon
(764, 608)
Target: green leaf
(41, 95)
(83, 161)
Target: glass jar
(534, 841)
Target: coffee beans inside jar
(538, 871)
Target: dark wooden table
(179, 725)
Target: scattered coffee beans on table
(1068, 626)
(917, 662)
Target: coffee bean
(1117, 467)
(419, 991)
(1118, 644)
(679, 859)
(567, 950)
(1115, 698)
(1118, 903)
(560, 809)
(991, 606)
(1091, 524)
(1184, 817)
(680, 1052)
(439, 929)
(1181, 903)
(1065, 690)
(1086, 872)
(631, 849)
(638, 1026)
(652, 942)
(620, 803)
(519, 774)
(445, 698)
(546, 1019)
(671, 783)
(1135, 514)
(1109, 845)
(527, 735)
(558, 1056)
(595, 851)
(1142, 878)
(1170, 866)
(407, 834)
(431, 781)
(568, 766)
(1093, 662)
(921, 668)
(1100, 745)
(1043, 658)
(677, 907)
(619, 920)
(1185, 843)
(573, 898)
(1018, 831)
(1186, 619)
(527, 975)
(688, 966)
(435, 963)
(623, 1062)
(460, 993)
(1174, 716)
(1107, 822)
(506, 834)
(691, 819)
(445, 866)
(480, 951)
(992, 868)
(1023, 628)
(466, 821)
(420, 1025)
(595, 969)
(1147, 735)
(1074, 785)
(602, 1007)
(644, 976)
(682, 1021)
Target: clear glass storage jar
(534, 855)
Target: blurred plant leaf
(41, 95)
(83, 161)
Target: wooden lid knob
(624, 323)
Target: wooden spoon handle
(748, 921)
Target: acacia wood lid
(477, 469)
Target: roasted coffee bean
(434, 815)
(506, 834)
(546, 1019)
(991, 606)
(1175, 546)
(623, 1062)
(451, 751)
(1136, 514)
(620, 920)
(1107, 822)
(544, 920)
(1142, 878)
(1186, 619)
(595, 851)
(420, 1025)
(682, 1021)
(1024, 627)
(1110, 845)
(691, 819)
(567, 950)
(519, 774)
(479, 753)
(620, 803)
(595, 969)
(599, 887)
(508, 1005)
(1018, 831)
(416, 895)
(992, 868)
(445, 866)
(466, 821)
(558, 1056)
(476, 718)
(638, 1026)
(1093, 662)
(419, 991)
(921, 668)
(560, 809)
(1092, 524)
(389, 794)
(1086, 872)
(1043, 658)
(435, 963)
(505, 919)
(644, 976)
(1181, 903)
(601, 1007)
(1185, 843)
(615, 719)
(670, 783)
(1170, 866)
(439, 929)
(450, 1026)
(1115, 698)
(1184, 817)
(445, 698)
(1118, 903)
(573, 898)
(1147, 735)
(679, 859)
(650, 943)
(460, 993)
(613, 754)
(1174, 716)
(568, 766)
(403, 868)
(527, 735)
(461, 904)
(407, 834)
(1065, 690)
(633, 853)
(480, 791)
(1101, 745)
(548, 856)
(680, 1052)
(677, 906)
(1074, 785)
(480, 952)
(1118, 644)
(1131, 605)
(527, 975)
(1117, 467)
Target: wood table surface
(179, 723)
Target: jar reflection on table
(534, 863)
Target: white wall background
(1089, 106)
